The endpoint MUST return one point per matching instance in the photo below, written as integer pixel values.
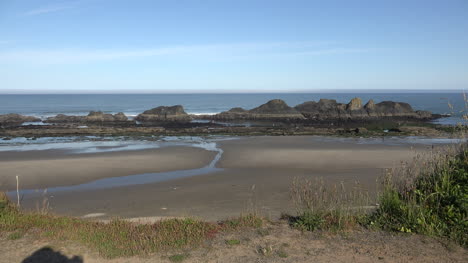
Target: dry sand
(257, 175)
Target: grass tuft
(282, 254)
(119, 238)
(114, 239)
(15, 235)
(244, 221)
(178, 257)
(428, 196)
(324, 207)
(233, 242)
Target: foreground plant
(118, 237)
(325, 207)
(428, 196)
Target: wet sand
(256, 176)
(51, 168)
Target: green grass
(427, 196)
(114, 239)
(282, 254)
(15, 235)
(178, 257)
(324, 207)
(435, 204)
(118, 238)
(233, 242)
(244, 221)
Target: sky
(172, 46)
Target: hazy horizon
(185, 92)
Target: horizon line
(101, 92)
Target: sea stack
(272, 110)
(164, 114)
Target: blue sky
(232, 46)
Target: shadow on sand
(48, 255)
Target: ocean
(46, 105)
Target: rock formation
(16, 119)
(92, 117)
(98, 116)
(62, 118)
(331, 110)
(164, 114)
(272, 110)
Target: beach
(253, 174)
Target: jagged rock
(120, 117)
(272, 110)
(275, 109)
(354, 104)
(92, 117)
(164, 114)
(98, 116)
(232, 114)
(424, 114)
(370, 105)
(237, 110)
(16, 119)
(331, 110)
(62, 118)
(392, 109)
(324, 109)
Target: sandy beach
(256, 175)
(50, 168)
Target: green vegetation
(434, 203)
(244, 221)
(263, 232)
(15, 235)
(427, 196)
(282, 254)
(233, 242)
(178, 257)
(118, 237)
(322, 207)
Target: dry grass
(321, 206)
(118, 237)
(428, 195)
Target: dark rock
(98, 116)
(237, 110)
(62, 118)
(272, 110)
(392, 109)
(424, 114)
(275, 107)
(322, 110)
(164, 114)
(16, 119)
(361, 130)
(331, 110)
(92, 117)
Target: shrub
(429, 196)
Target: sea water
(46, 105)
